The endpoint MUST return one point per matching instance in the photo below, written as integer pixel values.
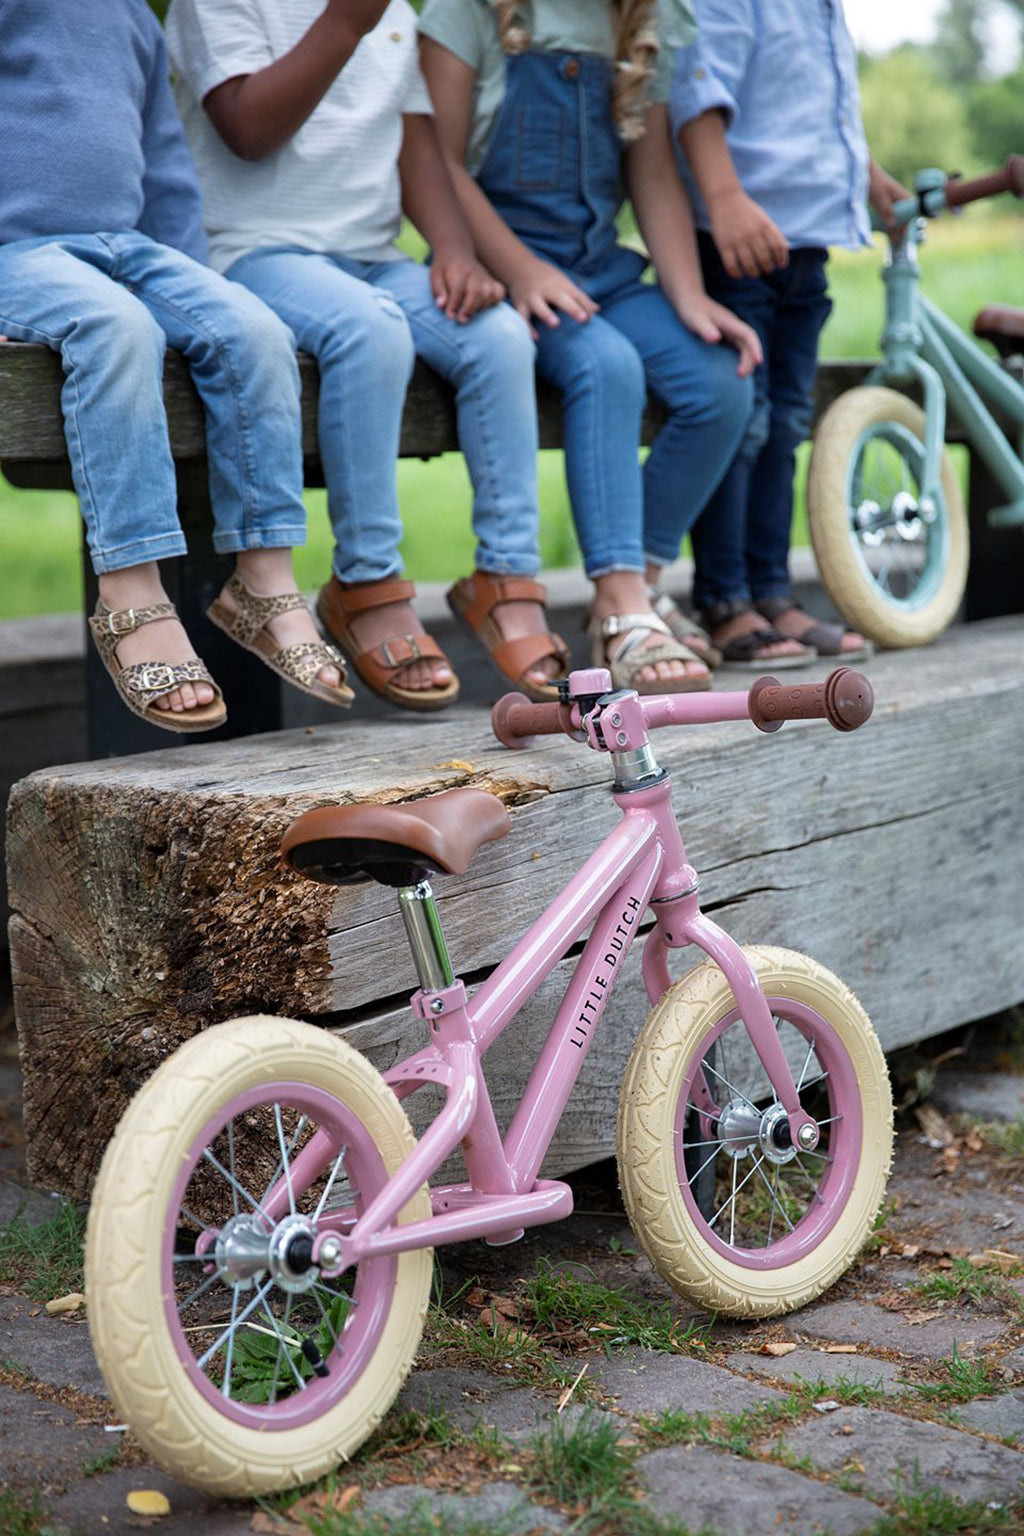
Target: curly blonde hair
(636, 51)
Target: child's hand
(538, 288)
(749, 243)
(461, 286)
(883, 191)
(713, 322)
(358, 16)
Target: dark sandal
(825, 635)
(473, 600)
(747, 651)
(338, 605)
(141, 683)
(299, 664)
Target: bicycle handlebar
(1009, 179)
(845, 699)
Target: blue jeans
(364, 322)
(604, 368)
(109, 304)
(741, 542)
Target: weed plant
(46, 1259)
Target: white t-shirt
(334, 186)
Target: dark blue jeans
(741, 539)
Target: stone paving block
(42, 1445)
(886, 1454)
(982, 1095)
(1001, 1416)
(97, 1507)
(647, 1381)
(495, 1504)
(32, 1204)
(814, 1365)
(472, 1397)
(55, 1350)
(698, 1486)
(858, 1322)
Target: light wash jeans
(109, 304)
(364, 322)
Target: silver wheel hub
(776, 1145)
(905, 512)
(743, 1130)
(240, 1252)
(245, 1251)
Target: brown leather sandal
(473, 600)
(141, 683)
(338, 605)
(299, 664)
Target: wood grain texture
(151, 905)
(32, 432)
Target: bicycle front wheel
(240, 1366)
(785, 1224)
(894, 565)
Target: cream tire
(646, 1133)
(177, 1425)
(849, 583)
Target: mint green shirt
(469, 29)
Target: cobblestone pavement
(895, 1404)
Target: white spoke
(709, 1068)
(249, 1308)
(809, 1176)
(732, 1213)
(736, 1191)
(277, 1357)
(283, 1345)
(776, 1203)
(700, 1170)
(336, 1169)
(303, 1122)
(231, 1344)
(231, 1160)
(284, 1158)
(803, 1069)
(215, 1162)
(199, 1291)
(191, 1258)
(189, 1216)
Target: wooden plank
(31, 429)
(152, 906)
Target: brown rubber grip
(845, 699)
(1009, 179)
(515, 720)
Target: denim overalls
(553, 172)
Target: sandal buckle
(115, 625)
(415, 654)
(155, 677)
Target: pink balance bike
(259, 1253)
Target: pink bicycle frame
(642, 863)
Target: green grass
(582, 1463)
(21, 1515)
(562, 1301)
(46, 1260)
(967, 263)
(1005, 1137)
(931, 1513)
(965, 1283)
(964, 1379)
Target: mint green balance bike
(886, 514)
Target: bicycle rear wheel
(238, 1364)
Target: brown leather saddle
(1003, 326)
(394, 844)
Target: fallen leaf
(69, 1303)
(330, 1501)
(457, 762)
(827, 1405)
(1005, 1261)
(275, 1525)
(950, 1159)
(777, 1350)
(972, 1141)
(911, 1250)
(505, 1305)
(148, 1501)
(840, 1349)
(916, 1315)
(934, 1125)
(944, 1264)
(847, 1429)
(477, 1297)
(1000, 1222)
(854, 1466)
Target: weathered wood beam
(153, 905)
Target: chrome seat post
(423, 929)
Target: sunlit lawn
(967, 263)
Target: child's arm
(883, 191)
(256, 114)
(748, 241)
(171, 213)
(460, 284)
(663, 215)
(536, 288)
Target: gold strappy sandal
(141, 683)
(632, 656)
(299, 664)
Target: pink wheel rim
(845, 1135)
(375, 1278)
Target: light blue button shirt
(784, 72)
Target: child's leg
(61, 293)
(364, 351)
(242, 361)
(601, 377)
(490, 364)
